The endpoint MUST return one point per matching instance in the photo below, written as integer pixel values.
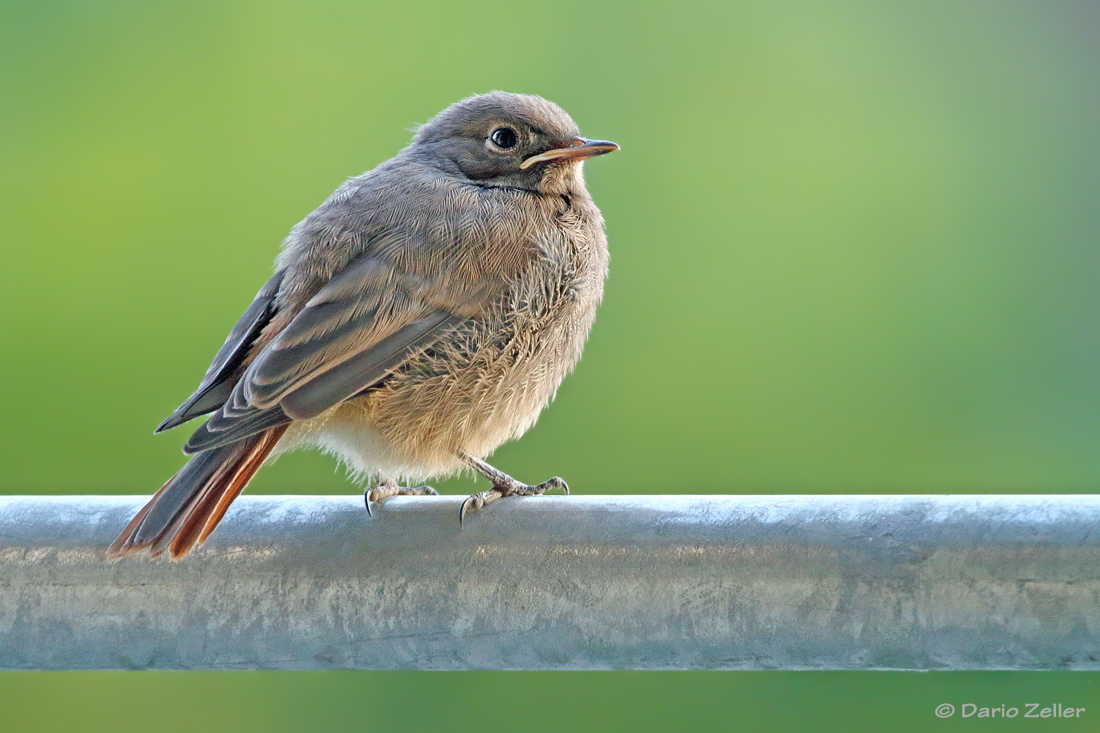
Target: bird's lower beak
(580, 149)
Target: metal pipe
(583, 582)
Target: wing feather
(218, 382)
(359, 327)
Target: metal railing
(582, 582)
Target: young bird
(420, 317)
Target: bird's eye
(504, 138)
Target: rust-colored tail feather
(188, 508)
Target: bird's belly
(473, 390)
(482, 387)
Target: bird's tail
(188, 508)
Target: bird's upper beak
(579, 149)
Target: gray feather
(365, 368)
(226, 429)
(360, 326)
(217, 384)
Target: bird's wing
(364, 323)
(217, 384)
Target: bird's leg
(503, 485)
(388, 487)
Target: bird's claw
(476, 501)
(380, 492)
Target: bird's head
(509, 140)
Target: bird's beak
(579, 149)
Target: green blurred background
(854, 249)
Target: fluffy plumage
(420, 317)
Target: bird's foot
(503, 485)
(390, 488)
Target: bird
(421, 316)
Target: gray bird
(420, 317)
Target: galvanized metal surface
(585, 582)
